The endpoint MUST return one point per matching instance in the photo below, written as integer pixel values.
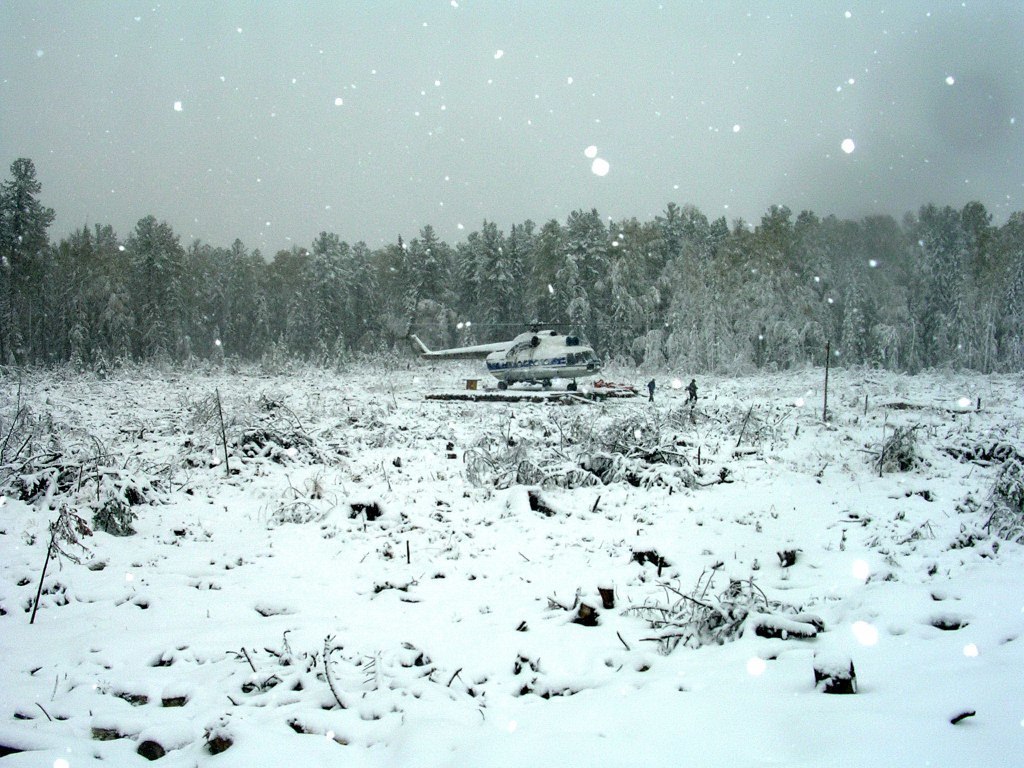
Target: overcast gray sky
(273, 121)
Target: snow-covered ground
(370, 586)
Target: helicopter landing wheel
(503, 385)
(572, 386)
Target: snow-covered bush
(1006, 503)
(900, 451)
(704, 617)
(114, 517)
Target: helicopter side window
(572, 341)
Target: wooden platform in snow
(560, 397)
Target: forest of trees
(942, 287)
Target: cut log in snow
(151, 750)
(586, 616)
(800, 626)
(834, 674)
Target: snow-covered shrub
(1006, 502)
(900, 451)
(114, 517)
(118, 494)
(704, 617)
(634, 449)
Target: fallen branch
(328, 650)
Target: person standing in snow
(692, 389)
(650, 391)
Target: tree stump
(834, 674)
(607, 597)
(151, 750)
(586, 616)
(787, 557)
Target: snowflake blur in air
(590, 152)
(950, 80)
(848, 15)
(177, 106)
(872, 263)
(600, 166)
(339, 101)
(964, 402)
(677, 383)
(799, 402)
(866, 634)
(736, 128)
(848, 146)
(499, 53)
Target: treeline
(943, 287)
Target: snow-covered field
(368, 583)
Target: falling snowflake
(177, 106)
(590, 152)
(600, 166)
(866, 634)
(736, 128)
(339, 101)
(848, 146)
(499, 53)
(861, 570)
(950, 80)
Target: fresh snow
(215, 619)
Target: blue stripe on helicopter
(505, 366)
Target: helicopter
(536, 357)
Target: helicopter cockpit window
(572, 341)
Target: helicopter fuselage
(540, 357)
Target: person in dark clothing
(692, 389)
(650, 391)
